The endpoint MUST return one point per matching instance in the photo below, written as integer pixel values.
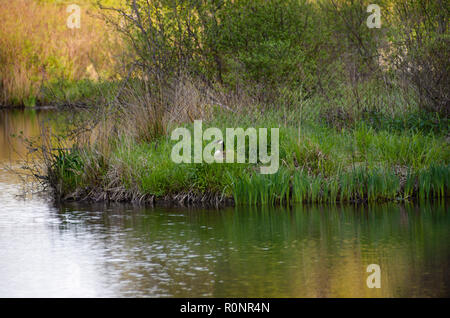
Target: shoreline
(185, 199)
(229, 202)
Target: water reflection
(14, 123)
(303, 252)
(117, 250)
(103, 250)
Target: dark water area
(124, 250)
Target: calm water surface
(105, 250)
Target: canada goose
(220, 154)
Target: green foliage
(420, 121)
(420, 37)
(433, 182)
(256, 189)
(71, 92)
(66, 170)
(363, 114)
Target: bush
(420, 43)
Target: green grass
(77, 92)
(66, 171)
(262, 189)
(355, 186)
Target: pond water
(122, 250)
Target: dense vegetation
(363, 112)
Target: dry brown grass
(144, 114)
(36, 46)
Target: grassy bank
(318, 163)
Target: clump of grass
(410, 182)
(355, 185)
(66, 169)
(433, 182)
(300, 187)
(259, 189)
(408, 148)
